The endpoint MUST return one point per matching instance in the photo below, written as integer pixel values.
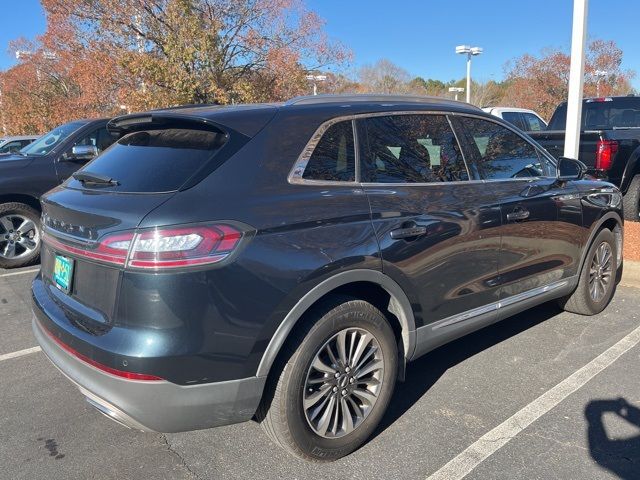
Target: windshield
(49, 141)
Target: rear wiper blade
(94, 178)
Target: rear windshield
(154, 160)
(602, 114)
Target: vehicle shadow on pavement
(620, 456)
(422, 374)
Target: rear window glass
(155, 160)
(604, 114)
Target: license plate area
(63, 273)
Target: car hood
(13, 160)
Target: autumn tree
(383, 77)
(194, 51)
(541, 83)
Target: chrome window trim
(299, 166)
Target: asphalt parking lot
(542, 395)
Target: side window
(533, 123)
(501, 153)
(412, 149)
(11, 147)
(334, 157)
(100, 138)
(514, 118)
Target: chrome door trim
(520, 297)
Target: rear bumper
(158, 406)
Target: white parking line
(492, 441)
(21, 272)
(19, 353)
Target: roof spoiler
(140, 121)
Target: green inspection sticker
(63, 272)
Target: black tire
(28, 257)
(282, 414)
(631, 200)
(581, 300)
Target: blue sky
(420, 35)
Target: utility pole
(576, 79)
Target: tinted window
(598, 115)
(412, 149)
(49, 141)
(156, 160)
(501, 153)
(99, 138)
(334, 157)
(533, 123)
(514, 118)
(11, 147)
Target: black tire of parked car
(631, 201)
(16, 208)
(282, 414)
(581, 301)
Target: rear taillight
(605, 151)
(182, 247)
(160, 248)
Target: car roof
(508, 109)
(316, 108)
(11, 138)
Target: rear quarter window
(333, 158)
(155, 160)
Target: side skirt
(430, 337)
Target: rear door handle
(518, 214)
(408, 232)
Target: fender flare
(594, 231)
(631, 170)
(399, 305)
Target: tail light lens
(161, 248)
(181, 247)
(605, 151)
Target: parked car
(29, 173)
(609, 143)
(525, 120)
(15, 143)
(285, 262)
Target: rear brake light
(180, 247)
(605, 151)
(599, 100)
(100, 366)
(160, 248)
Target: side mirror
(82, 153)
(570, 169)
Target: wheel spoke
(6, 223)
(26, 226)
(320, 366)
(9, 250)
(337, 400)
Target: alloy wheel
(343, 383)
(19, 236)
(601, 272)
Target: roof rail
(372, 98)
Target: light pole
(469, 52)
(315, 79)
(456, 90)
(599, 74)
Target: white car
(526, 120)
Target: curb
(631, 274)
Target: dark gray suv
(284, 262)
